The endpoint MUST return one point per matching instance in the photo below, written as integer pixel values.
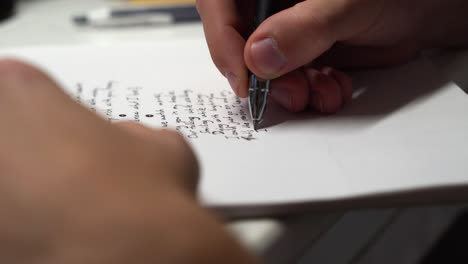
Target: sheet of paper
(405, 130)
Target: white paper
(405, 130)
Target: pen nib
(258, 97)
(255, 125)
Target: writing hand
(294, 44)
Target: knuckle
(17, 74)
(173, 137)
(298, 103)
(299, 100)
(176, 143)
(183, 158)
(15, 68)
(332, 99)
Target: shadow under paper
(454, 64)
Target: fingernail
(267, 57)
(316, 101)
(232, 79)
(282, 96)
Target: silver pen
(258, 96)
(259, 89)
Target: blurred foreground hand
(77, 189)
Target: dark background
(6, 8)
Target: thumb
(299, 34)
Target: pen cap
(6, 8)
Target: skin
(77, 189)
(304, 45)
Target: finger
(325, 89)
(24, 88)
(43, 121)
(291, 91)
(183, 160)
(169, 142)
(16, 78)
(223, 31)
(298, 35)
(136, 129)
(343, 80)
(325, 92)
(348, 57)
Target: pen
(133, 16)
(259, 89)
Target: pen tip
(255, 124)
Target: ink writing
(194, 113)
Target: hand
(294, 44)
(76, 189)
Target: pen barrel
(179, 14)
(258, 97)
(263, 10)
(187, 10)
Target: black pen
(259, 89)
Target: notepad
(402, 139)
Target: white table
(333, 237)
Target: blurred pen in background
(140, 15)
